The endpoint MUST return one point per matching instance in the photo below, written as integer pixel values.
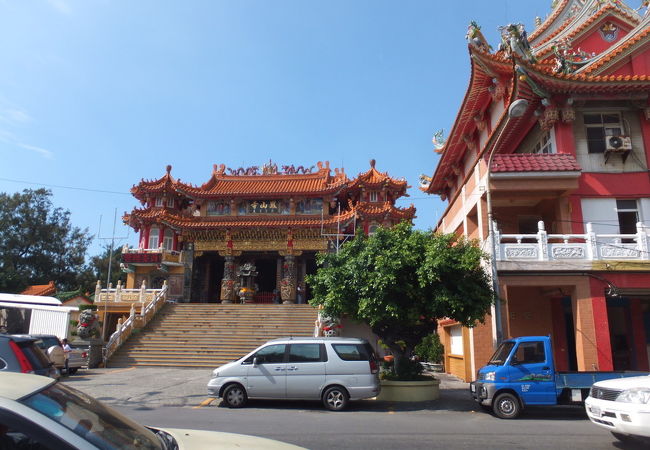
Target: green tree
(98, 269)
(400, 281)
(38, 243)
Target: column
(228, 280)
(288, 283)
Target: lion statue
(88, 324)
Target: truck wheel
(335, 398)
(235, 396)
(506, 406)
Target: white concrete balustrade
(119, 294)
(572, 247)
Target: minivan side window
(302, 353)
(271, 354)
(351, 352)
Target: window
(373, 196)
(456, 333)
(154, 233)
(271, 354)
(160, 201)
(170, 203)
(372, 229)
(599, 127)
(168, 240)
(529, 353)
(628, 216)
(354, 352)
(544, 145)
(301, 353)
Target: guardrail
(125, 329)
(562, 247)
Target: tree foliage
(38, 243)
(97, 269)
(400, 281)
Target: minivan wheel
(72, 371)
(506, 406)
(234, 396)
(335, 398)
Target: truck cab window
(529, 353)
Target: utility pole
(110, 265)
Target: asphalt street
(170, 397)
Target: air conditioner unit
(618, 143)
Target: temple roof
(528, 162)
(42, 290)
(181, 221)
(376, 179)
(545, 70)
(385, 209)
(164, 184)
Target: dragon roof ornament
(514, 40)
(568, 60)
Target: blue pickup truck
(522, 373)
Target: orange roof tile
(40, 289)
(193, 223)
(375, 178)
(383, 209)
(549, 20)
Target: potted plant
(399, 282)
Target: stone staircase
(209, 335)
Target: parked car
(21, 354)
(622, 406)
(334, 370)
(38, 412)
(52, 347)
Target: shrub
(430, 349)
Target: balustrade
(151, 300)
(570, 247)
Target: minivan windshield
(501, 354)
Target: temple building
(546, 165)
(251, 235)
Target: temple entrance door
(266, 275)
(207, 272)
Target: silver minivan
(334, 370)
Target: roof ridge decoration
(269, 168)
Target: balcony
(570, 251)
(149, 256)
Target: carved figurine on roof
(475, 37)
(514, 40)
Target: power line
(76, 188)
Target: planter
(409, 391)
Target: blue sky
(97, 94)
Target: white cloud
(60, 5)
(14, 115)
(11, 139)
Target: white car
(622, 406)
(38, 412)
(334, 370)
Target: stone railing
(124, 329)
(563, 247)
(119, 294)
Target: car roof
(319, 339)
(17, 385)
(18, 337)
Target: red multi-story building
(252, 234)
(546, 165)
